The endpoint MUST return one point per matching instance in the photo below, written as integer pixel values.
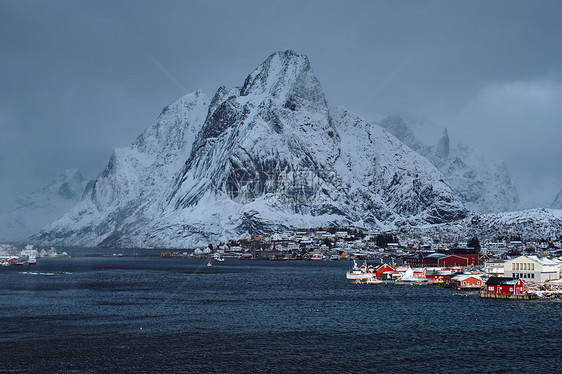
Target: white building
(532, 268)
(276, 237)
(495, 268)
(341, 234)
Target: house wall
(506, 289)
(467, 283)
(382, 269)
(453, 260)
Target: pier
(524, 296)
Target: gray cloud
(77, 78)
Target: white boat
(359, 273)
(209, 264)
(317, 257)
(32, 260)
(218, 257)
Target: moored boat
(218, 257)
(359, 273)
(317, 257)
(10, 261)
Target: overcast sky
(77, 78)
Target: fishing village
(508, 269)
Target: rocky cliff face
(557, 203)
(483, 185)
(268, 155)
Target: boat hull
(362, 276)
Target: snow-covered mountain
(268, 155)
(483, 185)
(32, 211)
(527, 225)
(557, 203)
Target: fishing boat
(218, 257)
(32, 260)
(317, 257)
(368, 281)
(359, 273)
(209, 264)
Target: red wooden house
(381, 269)
(466, 281)
(419, 272)
(500, 285)
(471, 255)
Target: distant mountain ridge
(265, 156)
(32, 211)
(526, 225)
(483, 185)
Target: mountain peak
(278, 71)
(266, 156)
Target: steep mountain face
(268, 155)
(128, 196)
(32, 211)
(483, 185)
(557, 203)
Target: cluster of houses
(511, 284)
(12, 255)
(351, 242)
(495, 268)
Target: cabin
(466, 282)
(504, 286)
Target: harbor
(240, 315)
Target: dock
(524, 296)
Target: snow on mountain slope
(483, 185)
(129, 193)
(526, 225)
(383, 168)
(268, 155)
(30, 212)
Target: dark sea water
(151, 314)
